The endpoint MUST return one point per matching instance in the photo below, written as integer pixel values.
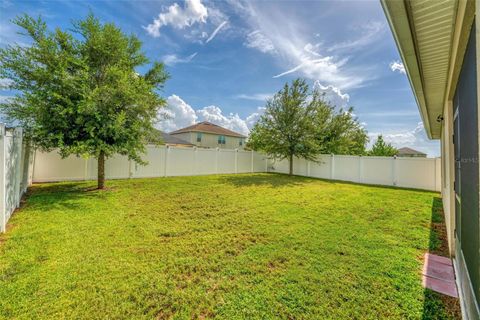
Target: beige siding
(210, 140)
(184, 136)
(448, 172)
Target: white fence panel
(300, 167)
(206, 161)
(226, 161)
(416, 173)
(161, 161)
(117, 167)
(49, 166)
(180, 161)
(244, 161)
(347, 168)
(156, 164)
(377, 170)
(322, 168)
(260, 162)
(419, 173)
(13, 180)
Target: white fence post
(85, 168)
(194, 167)
(18, 164)
(251, 162)
(3, 211)
(394, 170)
(165, 168)
(217, 150)
(236, 160)
(360, 169)
(332, 167)
(308, 168)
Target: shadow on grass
(67, 195)
(436, 305)
(274, 180)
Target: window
(221, 139)
(199, 137)
(240, 142)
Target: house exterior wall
(210, 140)
(466, 263)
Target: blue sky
(226, 57)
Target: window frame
(221, 139)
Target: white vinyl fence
(419, 173)
(162, 162)
(19, 167)
(14, 172)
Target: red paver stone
(445, 287)
(438, 275)
(434, 257)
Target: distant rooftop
(209, 127)
(409, 151)
(171, 140)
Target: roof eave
(402, 33)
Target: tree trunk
(101, 171)
(290, 163)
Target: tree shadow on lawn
(65, 195)
(436, 305)
(274, 180)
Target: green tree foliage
(339, 132)
(382, 149)
(299, 123)
(79, 91)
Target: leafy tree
(339, 132)
(286, 129)
(299, 123)
(79, 92)
(382, 149)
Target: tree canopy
(382, 149)
(298, 122)
(79, 90)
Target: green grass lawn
(260, 246)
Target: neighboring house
(409, 152)
(209, 135)
(439, 42)
(170, 140)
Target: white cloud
(293, 48)
(333, 95)
(415, 138)
(215, 115)
(172, 59)
(5, 98)
(192, 12)
(370, 32)
(214, 33)
(254, 117)
(179, 114)
(256, 96)
(5, 83)
(259, 41)
(397, 66)
(310, 48)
